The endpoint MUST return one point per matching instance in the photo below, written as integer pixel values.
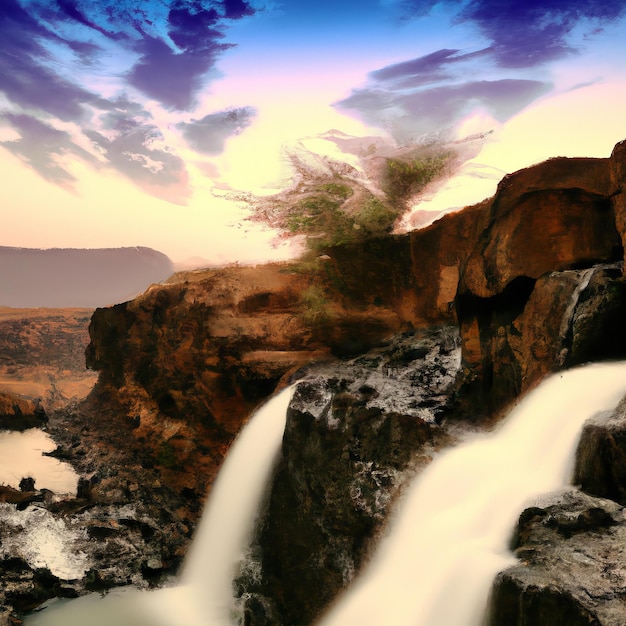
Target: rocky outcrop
(355, 431)
(189, 359)
(527, 283)
(206, 347)
(601, 456)
(535, 327)
(19, 413)
(42, 354)
(571, 566)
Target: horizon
(158, 124)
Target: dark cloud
(236, 9)
(171, 78)
(194, 32)
(177, 47)
(428, 64)
(25, 79)
(209, 134)
(131, 147)
(431, 68)
(41, 146)
(408, 115)
(174, 76)
(525, 33)
(69, 9)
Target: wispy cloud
(164, 51)
(414, 106)
(131, 143)
(26, 77)
(44, 148)
(209, 134)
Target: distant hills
(69, 277)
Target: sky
(150, 122)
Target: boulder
(600, 467)
(571, 566)
(355, 432)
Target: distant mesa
(69, 277)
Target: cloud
(427, 65)
(134, 146)
(174, 75)
(25, 77)
(57, 55)
(44, 147)
(169, 77)
(170, 47)
(525, 33)
(410, 114)
(209, 134)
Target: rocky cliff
(42, 354)
(400, 340)
(190, 358)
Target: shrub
(314, 306)
(376, 218)
(406, 178)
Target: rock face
(18, 413)
(531, 280)
(601, 456)
(43, 354)
(571, 569)
(351, 432)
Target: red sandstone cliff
(187, 361)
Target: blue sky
(128, 122)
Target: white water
(450, 535)
(204, 596)
(446, 543)
(21, 456)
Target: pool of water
(22, 456)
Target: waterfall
(228, 522)
(450, 534)
(204, 595)
(446, 542)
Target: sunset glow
(129, 123)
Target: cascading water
(450, 535)
(446, 543)
(204, 596)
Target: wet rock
(354, 432)
(601, 456)
(27, 484)
(535, 327)
(571, 565)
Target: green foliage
(321, 218)
(337, 189)
(314, 306)
(405, 178)
(327, 220)
(376, 218)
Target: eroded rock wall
(532, 277)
